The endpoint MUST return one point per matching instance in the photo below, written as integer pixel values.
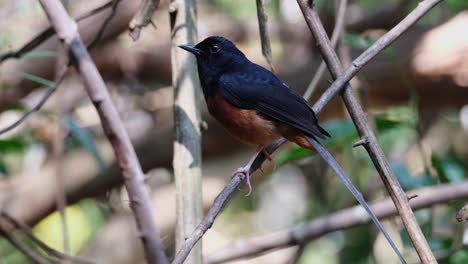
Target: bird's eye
(215, 48)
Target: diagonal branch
(373, 148)
(142, 18)
(49, 32)
(133, 176)
(342, 219)
(232, 187)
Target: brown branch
(25, 229)
(25, 249)
(342, 219)
(61, 70)
(115, 4)
(47, 33)
(142, 18)
(264, 35)
(67, 31)
(232, 187)
(187, 156)
(50, 91)
(373, 148)
(338, 85)
(337, 30)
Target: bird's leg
(246, 169)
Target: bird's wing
(258, 89)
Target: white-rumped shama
(257, 108)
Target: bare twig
(232, 187)
(142, 18)
(25, 229)
(187, 120)
(264, 35)
(25, 249)
(38, 106)
(63, 69)
(343, 219)
(337, 30)
(115, 4)
(375, 151)
(338, 85)
(59, 147)
(66, 29)
(47, 33)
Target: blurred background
(415, 94)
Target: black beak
(191, 49)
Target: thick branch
(375, 151)
(343, 219)
(187, 120)
(66, 29)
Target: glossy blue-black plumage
(247, 85)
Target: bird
(257, 108)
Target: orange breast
(246, 125)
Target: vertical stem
(187, 147)
(58, 146)
(264, 36)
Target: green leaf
(12, 144)
(3, 168)
(408, 181)
(37, 79)
(440, 244)
(461, 257)
(357, 41)
(85, 139)
(449, 168)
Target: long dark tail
(323, 152)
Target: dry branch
(264, 35)
(187, 120)
(343, 219)
(373, 148)
(66, 29)
(337, 30)
(232, 187)
(142, 18)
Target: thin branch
(133, 176)
(228, 192)
(337, 30)
(42, 101)
(115, 4)
(142, 18)
(373, 148)
(60, 75)
(187, 157)
(264, 35)
(25, 229)
(338, 85)
(47, 33)
(25, 249)
(342, 219)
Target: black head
(215, 52)
(215, 56)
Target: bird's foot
(246, 171)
